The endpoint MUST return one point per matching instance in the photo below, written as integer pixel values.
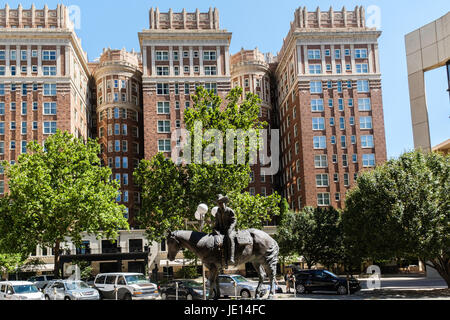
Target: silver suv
(125, 286)
(237, 285)
(70, 290)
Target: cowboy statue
(225, 224)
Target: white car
(19, 290)
(125, 286)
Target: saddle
(243, 238)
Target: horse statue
(252, 245)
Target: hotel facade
(322, 91)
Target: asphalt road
(391, 288)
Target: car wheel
(342, 290)
(245, 294)
(67, 298)
(127, 296)
(189, 297)
(163, 296)
(300, 289)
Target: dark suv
(323, 280)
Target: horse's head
(173, 246)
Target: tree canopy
(402, 208)
(58, 191)
(172, 191)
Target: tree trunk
(56, 250)
(442, 266)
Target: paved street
(391, 288)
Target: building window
(210, 70)
(162, 71)
(342, 123)
(333, 139)
(363, 85)
(163, 107)
(368, 160)
(162, 88)
(344, 160)
(49, 71)
(364, 104)
(49, 108)
(317, 105)
(367, 142)
(320, 142)
(338, 68)
(24, 108)
(321, 161)
(322, 180)
(49, 89)
(343, 142)
(162, 56)
(323, 199)
(332, 121)
(337, 197)
(365, 123)
(49, 127)
(163, 126)
(209, 55)
(24, 127)
(337, 54)
(316, 86)
(360, 53)
(318, 123)
(341, 104)
(362, 68)
(313, 54)
(354, 158)
(49, 55)
(164, 146)
(315, 68)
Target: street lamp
(200, 216)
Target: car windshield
(25, 289)
(330, 273)
(76, 285)
(136, 279)
(240, 279)
(193, 284)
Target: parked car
(244, 287)
(19, 290)
(41, 281)
(323, 280)
(125, 286)
(187, 290)
(70, 290)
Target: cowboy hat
(222, 199)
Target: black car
(187, 290)
(322, 280)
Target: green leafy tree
(57, 192)
(10, 263)
(402, 209)
(313, 233)
(172, 192)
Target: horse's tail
(272, 255)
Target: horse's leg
(271, 271)
(261, 274)
(218, 270)
(212, 281)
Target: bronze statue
(225, 225)
(252, 245)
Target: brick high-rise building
(330, 105)
(44, 78)
(179, 52)
(250, 70)
(118, 83)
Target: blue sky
(264, 24)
